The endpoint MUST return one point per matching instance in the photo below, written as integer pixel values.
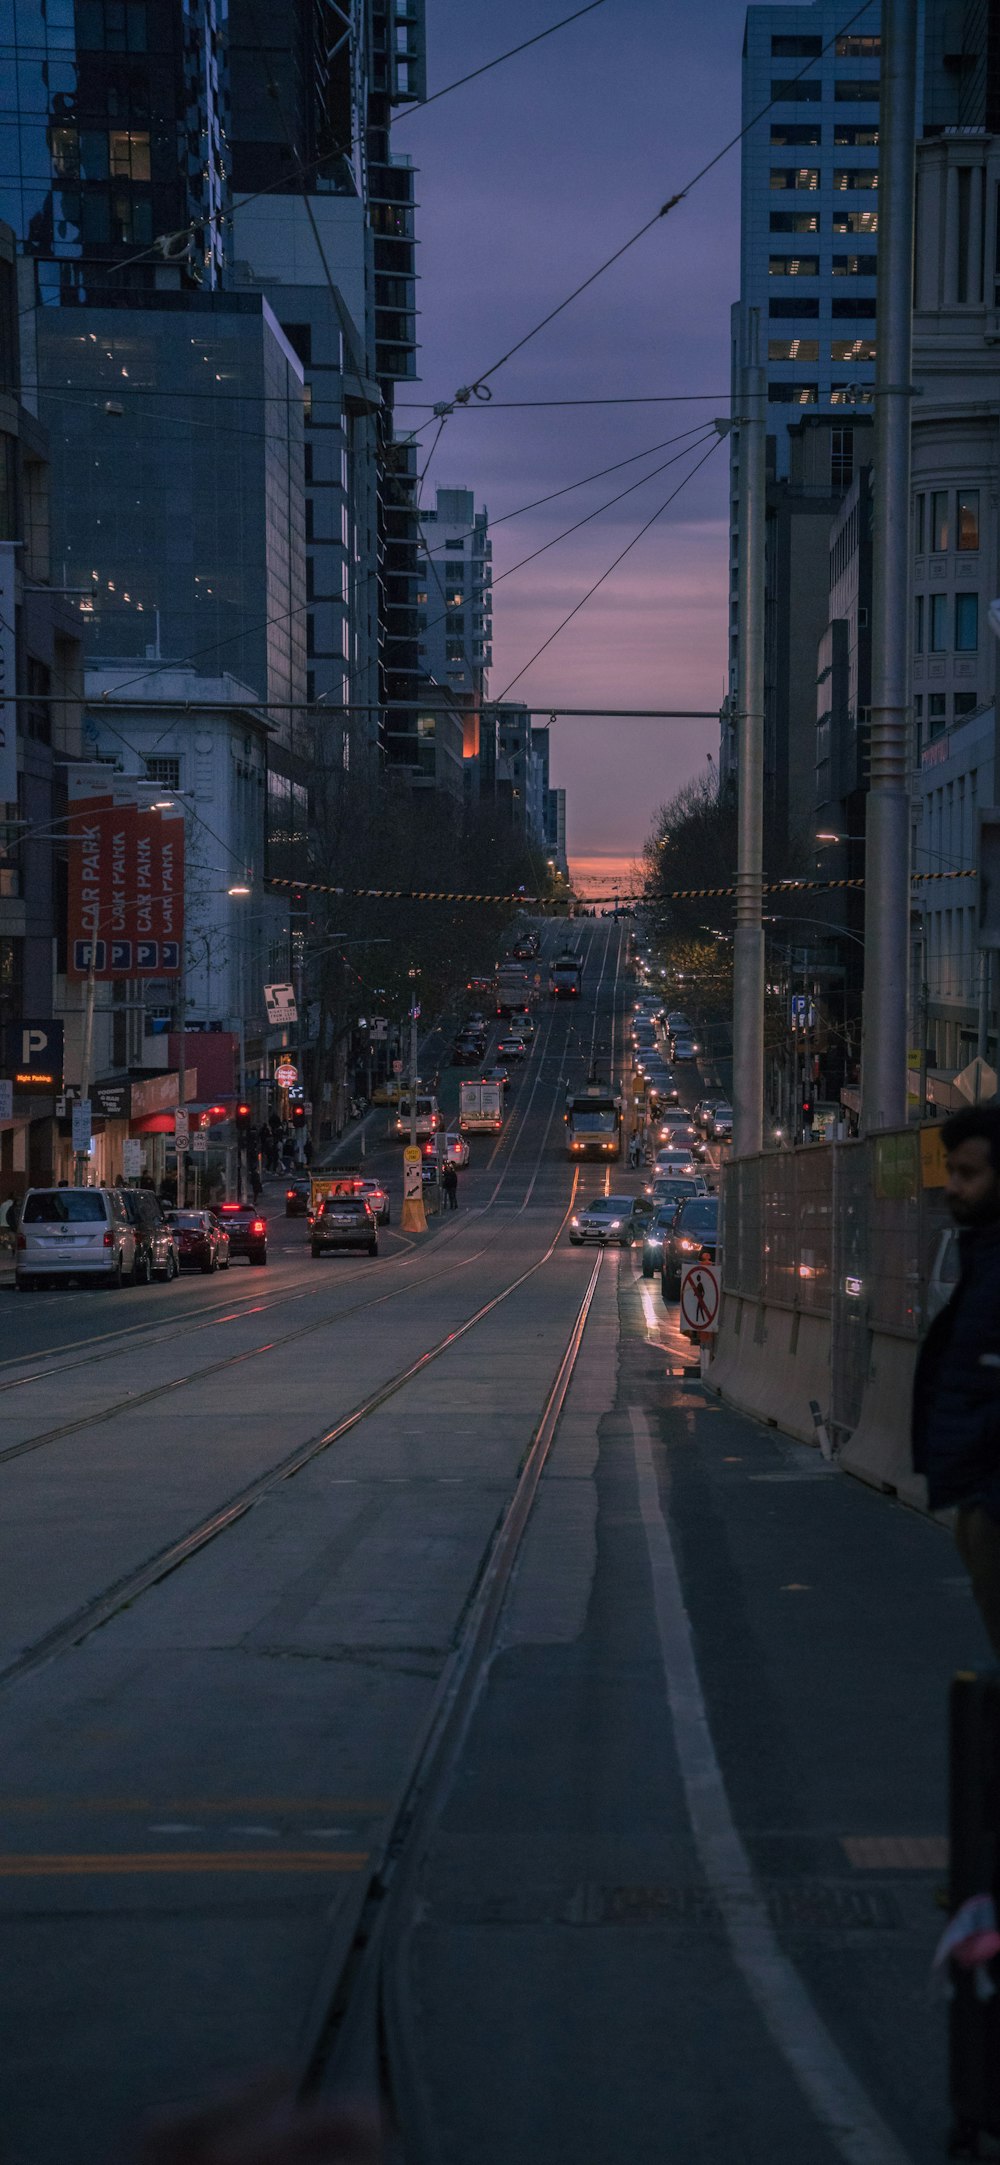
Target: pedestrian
(956, 1385)
(256, 1183)
(449, 1184)
(307, 1150)
(633, 1152)
(8, 1214)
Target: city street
(677, 1892)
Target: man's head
(971, 1142)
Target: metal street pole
(748, 946)
(82, 1160)
(887, 903)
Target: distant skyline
(527, 180)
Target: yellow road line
(360, 1806)
(164, 1861)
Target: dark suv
(155, 1244)
(246, 1228)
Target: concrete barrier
(770, 1362)
(878, 1449)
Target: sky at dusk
(527, 180)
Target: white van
(428, 1117)
(73, 1233)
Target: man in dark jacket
(956, 1388)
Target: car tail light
(109, 1240)
(258, 1226)
(290, 1193)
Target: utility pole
(748, 946)
(887, 908)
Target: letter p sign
(34, 1045)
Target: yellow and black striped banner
(525, 901)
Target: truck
(480, 1108)
(513, 991)
(593, 1119)
(565, 974)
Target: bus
(565, 974)
(594, 1123)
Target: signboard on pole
(131, 1157)
(700, 1298)
(8, 678)
(182, 1127)
(81, 1126)
(412, 1173)
(279, 1001)
(199, 1143)
(125, 879)
(286, 1074)
(33, 1056)
(380, 1028)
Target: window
(964, 703)
(793, 394)
(454, 571)
(855, 176)
(454, 651)
(855, 221)
(968, 519)
(129, 155)
(785, 47)
(841, 457)
(853, 304)
(793, 349)
(966, 623)
(794, 266)
(794, 221)
(918, 524)
(937, 712)
(853, 46)
(803, 90)
(918, 623)
(456, 544)
(165, 771)
(846, 136)
(852, 349)
(793, 134)
(111, 26)
(937, 642)
(454, 598)
(456, 626)
(795, 176)
(797, 306)
(854, 266)
(940, 526)
(856, 90)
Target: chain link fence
(848, 1231)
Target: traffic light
(242, 1119)
(298, 1116)
(807, 1112)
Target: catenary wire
(475, 73)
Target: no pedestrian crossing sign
(700, 1297)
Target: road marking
(896, 1852)
(842, 2108)
(158, 1863)
(353, 1807)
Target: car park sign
(700, 1298)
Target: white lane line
(832, 2091)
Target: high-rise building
(455, 597)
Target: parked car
(344, 1221)
(378, 1196)
(297, 1194)
(202, 1243)
(616, 1218)
(73, 1233)
(247, 1230)
(693, 1238)
(155, 1241)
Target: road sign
(286, 1073)
(700, 1297)
(199, 1143)
(397, 1067)
(81, 1125)
(798, 1006)
(279, 1001)
(182, 1126)
(131, 1157)
(33, 1057)
(412, 1179)
(380, 1028)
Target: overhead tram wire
(591, 591)
(478, 388)
(475, 73)
(588, 516)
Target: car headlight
(574, 1221)
(615, 1225)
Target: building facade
(455, 598)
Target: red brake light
(109, 1240)
(290, 1191)
(258, 1226)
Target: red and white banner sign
(126, 879)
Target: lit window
(854, 266)
(795, 176)
(793, 349)
(793, 394)
(129, 155)
(968, 519)
(855, 221)
(852, 349)
(966, 623)
(855, 176)
(794, 266)
(794, 221)
(848, 137)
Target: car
(344, 1221)
(668, 1092)
(670, 1164)
(526, 1027)
(454, 1149)
(676, 1188)
(247, 1230)
(721, 1129)
(497, 1074)
(155, 1244)
(677, 1020)
(604, 1218)
(684, 1048)
(693, 1238)
(297, 1195)
(73, 1233)
(202, 1243)
(512, 1048)
(654, 1236)
(378, 1196)
(479, 984)
(702, 1114)
(675, 1134)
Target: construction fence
(831, 1248)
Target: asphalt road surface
(668, 1890)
